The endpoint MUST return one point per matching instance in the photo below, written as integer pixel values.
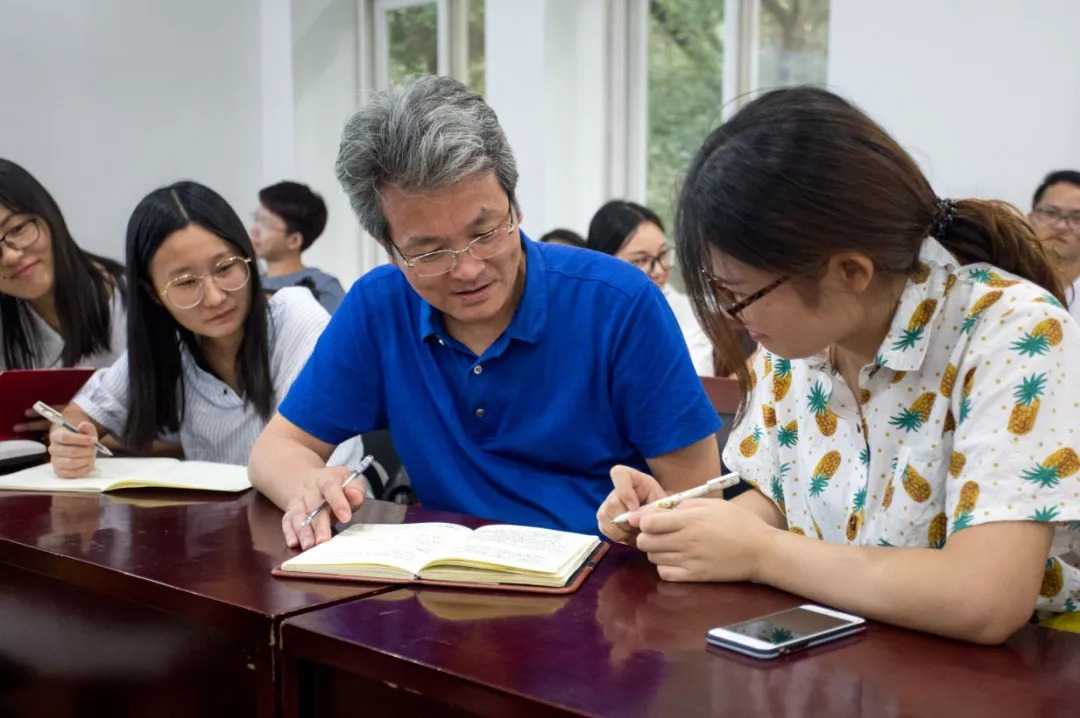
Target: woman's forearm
(981, 587)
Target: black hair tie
(946, 213)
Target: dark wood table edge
(468, 694)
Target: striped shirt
(217, 425)
(51, 344)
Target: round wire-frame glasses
(186, 290)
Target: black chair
(387, 476)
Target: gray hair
(424, 134)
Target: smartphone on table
(783, 632)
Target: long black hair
(155, 376)
(82, 283)
(613, 224)
(800, 174)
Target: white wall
(549, 88)
(105, 100)
(326, 81)
(984, 93)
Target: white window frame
(381, 42)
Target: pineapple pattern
(916, 325)
(855, 519)
(973, 418)
(1027, 393)
(818, 400)
(749, 446)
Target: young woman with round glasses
(59, 305)
(912, 426)
(208, 358)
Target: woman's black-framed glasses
(484, 246)
(186, 291)
(726, 300)
(23, 234)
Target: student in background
(59, 306)
(289, 219)
(1055, 215)
(209, 357)
(636, 235)
(564, 236)
(911, 426)
(511, 373)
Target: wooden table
(630, 645)
(147, 603)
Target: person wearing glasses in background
(635, 234)
(59, 306)
(1055, 215)
(911, 426)
(289, 219)
(511, 374)
(208, 356)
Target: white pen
(669, 502)
(364, 463)
(56, 418)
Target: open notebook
(496, 556)
(111, 474)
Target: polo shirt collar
(530, 318)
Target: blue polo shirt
(591, 372)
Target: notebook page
(404, 546)
(195, 475)
(522, 547)
(106, 473)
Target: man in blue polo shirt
(512, 375)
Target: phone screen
(785, 626)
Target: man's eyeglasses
(186, 290)
(482, 247)
(647, 263)
(733, 307)
(263, 223)
(22, 235)
(1051, 215)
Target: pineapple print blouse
(970, 414)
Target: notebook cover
(20, 388)
(572, 584)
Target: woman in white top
(59, 305)
(912, 428)
(208, 358)
(635, 234)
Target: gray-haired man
(512, 375)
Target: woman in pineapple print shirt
(912, 424)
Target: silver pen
(364, 463)
(669, 502)
(54, 416)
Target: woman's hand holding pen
(705, 540)
(320, 485)
(633, 489)
(73, 454)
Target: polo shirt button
(480, 413)
(477, 369)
